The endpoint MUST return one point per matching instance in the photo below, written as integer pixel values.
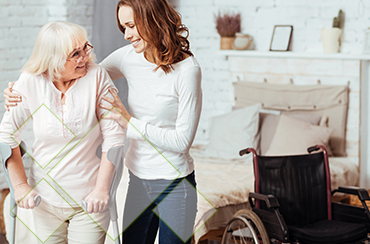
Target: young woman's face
(126, 19)
(75, 66)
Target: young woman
(165, 100)
(61, 89)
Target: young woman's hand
(11, 99)
(97, 200)
(117, 110)
(24, 196)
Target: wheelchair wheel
(245, 228)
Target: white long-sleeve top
(66, 136)
(165, 110)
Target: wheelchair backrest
(299, 183)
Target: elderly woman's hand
(11, 99)
(24, 196)
(97, 200)
(117, 110)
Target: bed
(322, 114)
(226, 187)
(223, 178)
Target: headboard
(323, 100)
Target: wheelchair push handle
(246, 151)
(313, 148)
(317, 147)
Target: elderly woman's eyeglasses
(78, 55)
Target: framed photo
(281, 38)
(366, 48)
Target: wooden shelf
(274, 54)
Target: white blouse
(66, 136)
(165, 111)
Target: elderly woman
(61, 89)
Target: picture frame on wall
(281, 38)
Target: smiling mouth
(80, 67)
(135, 43)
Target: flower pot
(242, 41)
(226, 43)
(331, 39)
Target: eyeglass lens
(82, 53)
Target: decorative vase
(242, 41)
(226, 43)
(331, 39)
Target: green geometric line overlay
(68, 196)
(46, 236)
(48, 110)
(169, 219)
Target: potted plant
(227, 25)
(331, 36)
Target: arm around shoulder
(113, 64)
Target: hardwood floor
(2, 226)
(2, 239)
(212, 237)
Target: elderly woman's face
(75, 66)
(126, 19)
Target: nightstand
(356, 202)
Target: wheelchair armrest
(277, 227)
(270, 200)
(362, 193)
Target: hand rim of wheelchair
(246, 215)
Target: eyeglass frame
(86, 53)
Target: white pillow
(231, 132)
(294, 136)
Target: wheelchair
(292, 204)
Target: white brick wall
(20, 21)
(81, 12)
(258, 20)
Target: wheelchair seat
(328, 232)
(292, 199)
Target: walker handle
(37, 200)
(84, 205)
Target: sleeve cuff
(12, 143)
(136, 129)
(111, 142)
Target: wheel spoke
(245, 228)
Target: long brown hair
(159, 25)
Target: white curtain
(106, 36)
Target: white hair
(55, 41)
